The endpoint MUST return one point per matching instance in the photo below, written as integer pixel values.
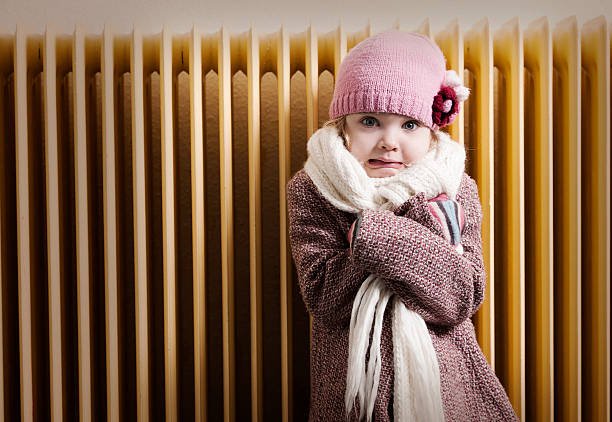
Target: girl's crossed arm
(424, 269)
(420, 266)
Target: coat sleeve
(327, 276)
(420, 266)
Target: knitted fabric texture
(406, 248)
(393, 72)
(344, 182)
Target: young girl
(385, 235)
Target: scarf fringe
(368, 308)
(417, 380)
(417, 394)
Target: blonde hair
(340, 124)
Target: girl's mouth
(374, 163)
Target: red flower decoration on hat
(445, 106)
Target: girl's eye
(369, 121)
(411, 125)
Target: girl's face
(385, 143)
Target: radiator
(144, 260)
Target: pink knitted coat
(406, 247)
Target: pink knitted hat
(396, 72)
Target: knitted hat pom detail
(446, 103)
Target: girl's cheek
(356, 155)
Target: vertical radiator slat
(227, 228)
(3, 205)
(9, 372)
(510, 252)
(596, 220)
(311, 64)
(424, 28)
(198, 224)
(253, 75)
(312, 81)
(340, 44)
(168, 223)
(356, 37)
(539, 227)
(23, 226)
(3, 336)
(140, 228)
(479, 61)
(283, 69)
(54, 246)
(109, 163)
(82, 227)
(567, 221)
(450, 41)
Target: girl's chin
(381, 172)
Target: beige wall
(267, 15)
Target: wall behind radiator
(268, 15)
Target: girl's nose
(388, 142)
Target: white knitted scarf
(343, 181)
